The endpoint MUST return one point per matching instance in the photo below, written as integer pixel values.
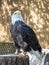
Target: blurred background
(35, 14)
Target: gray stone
(46, 62)
(13, 60)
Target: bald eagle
(23, 36)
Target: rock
(46, 62)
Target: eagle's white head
(16, 16)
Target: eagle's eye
(15, 13)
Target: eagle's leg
(21, 53)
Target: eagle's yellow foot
(21, 54)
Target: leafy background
(35, 14)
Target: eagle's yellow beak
(18, 12)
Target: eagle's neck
(17, 19)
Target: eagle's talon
(21, 54)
